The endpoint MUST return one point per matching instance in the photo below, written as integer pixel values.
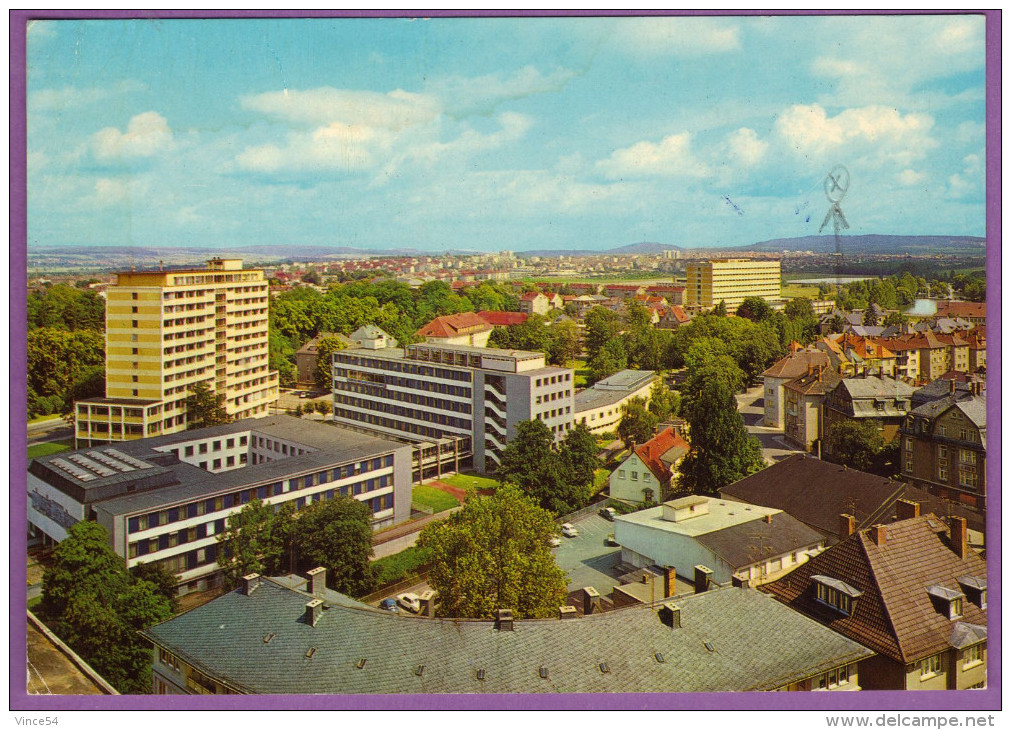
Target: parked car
(610, 541)
(555, 541)
(389, 604)
(303, 394)
(410, 601)
(608, 513)
(569, 530)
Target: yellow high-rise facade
(731, 281)
(167, 331)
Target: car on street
(410, 601)
(610, 541)
(555, 541)
(608, 513)
(389, 604)
(303, 394)
(569, 530)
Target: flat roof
(722, 514)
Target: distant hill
(648, 248)
(876, 244)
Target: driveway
(586, 559)
(751, 405)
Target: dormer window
(975, 589)
(836, 593)
(947, 601)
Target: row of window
(413, 398)
(430, 416)
(404, 366)
(355, 415)
(554, 413)
(552, 380)
(554, 395)
(220, 279)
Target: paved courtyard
(586, 559)
(751, 405)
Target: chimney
(504, 620)
(250, 583)
(702, 576)
(670, 615)
(737, 581)
(879, 534)
(669, 582)
(317, 581)
(768, 519)
(951, 384)
(906, 509)
(313, 610)
(959, 537)
(566, 612)
(428, 603)
(847, 525)
(591, 601)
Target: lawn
(397, 567)
(791, 291)
(438, 500)
(601, 478)
(469, 481)
(582, 373)
(50, 447)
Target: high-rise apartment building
(731, 281)
(428, 392)
(167, 331)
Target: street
(751, 405)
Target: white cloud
(337, 147)
(395, 110)
(809, 131)
(674, 36)
(68, 97)
(746, 149)
(671, 157)
(970, 133)
(911, 177)
(481, 94)
(146, 135)
(108, 192)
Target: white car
(555, 541)
(569, 530)
(410, 601)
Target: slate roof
(758, 644)
(895, 616)
(942, 388)
(973, 406)
(757, 541)
(817, 492)
(817, 383)
(453, 325)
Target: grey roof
(971, 581)
(965, 634)
(757, 644)
(939, 389)
(943, 593)
(840, 585)
(758, 541)
(877, 388)
(612, 389)
(176, 481)
(974, 408)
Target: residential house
(975, 312)
(944, 447)
(817, 492)
(736, 542)
(963, 385)
(623, 291)
(912, 591)
(307, 358)
(466, 328)
(976, 338)
(647, 474)
(938, 353)
(601, 406)
(803, 398)
(503, 319)
(534, 302)
(797, 363)
(879, 400)
(907, 357)
(866, 355)
(672, 317)
(673, 293)
(278, 636)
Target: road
(751, 405)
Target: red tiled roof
(651, 451)
(623, 287)
(452, 325)
(530, 296)
(664, 288)
(503, 319)
(796, 364)
(961, 309)
(895, 615)
(678, 312)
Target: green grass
(800, 290)
(397, 567)
(438, 500)
(582, 373)
(601, 478)
(470, 481)
(34, 602)
(50, 447)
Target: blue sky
(492, 134)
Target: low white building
(734, 540)
(599, 407)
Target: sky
(492, 134)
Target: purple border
(988, 699)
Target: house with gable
(465, 328)
(797, 363)
(647, 474)
(911, 591)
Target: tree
(896, 319)
(720, 310)
(312, 277)
(602, 326)
(530, 462)
(564, 343)
(494, 553)
(94, 605)
(337, 535)
(579, 456)
(854, 443)
(799, 308)
(870, 318)
(609, 359)
(756, 309)
(664, 402)
(162, 578)
(248, 545)
(722, 451)
(204, 407)
(325, 349)
(58, 360)
(637, 424)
